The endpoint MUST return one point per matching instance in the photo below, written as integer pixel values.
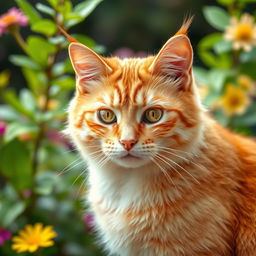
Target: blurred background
(142, 26)
(42, 177)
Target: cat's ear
(87, 64)
(174, 61)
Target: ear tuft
(69, 37)
(185, 26)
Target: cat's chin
(130, 161)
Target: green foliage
(32, 148)
(228, 68)
(29, 10)
(217, 17)
(44, 26)
(19, 172)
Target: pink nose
(128, 144)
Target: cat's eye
(152, 115)
(107, 116)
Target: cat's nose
(128, 144)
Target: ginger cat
(164, 178)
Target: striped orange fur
(164, 178)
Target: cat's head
(135, 111)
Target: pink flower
(2, 128)
(4, 236)
(13, 17)
(89, 220)
(58, 138)
(26, 193)
(125, 52)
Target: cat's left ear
(88, 65)
(174, 61)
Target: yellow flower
(234, 101)
(4, 78)
(246, 83)
(33, 237)
(242, 33)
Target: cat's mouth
(130, 156)
(130, 160)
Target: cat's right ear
(88, 65)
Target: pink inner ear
(86, 63)
(175, 58)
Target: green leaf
(68, 66)
(248, 119)
(53, 3)
(247, 1)
(17, 128)
(24, 61)
(201, 75)
(28, 100)
(9, 211)
(225, 2)
(34, 80)
(248, 56)
(45, 26)
(39, 49)
(57, 40)
(28, 9)
(211, 98)
(46, 182)
(72, 19)
(217, 79)
(222, 46)
(248, 68)
(209, 41)
(15, 164)
(222, 61)
(11, 98)
(86, 7)
(65, 82)
(216, 16)
(65, 8)
(7, 113)
(221, 117)
(45, 9)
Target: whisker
(69, 151)
(181, 168)
(163, 171)
(185, 159)
(69, 167)
(177, 150)
(79, 176)
(169, 164)
(80, 187)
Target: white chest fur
(135, 218)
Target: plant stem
(14, 30)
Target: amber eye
(152, 115)
(107, 116)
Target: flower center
(8, 19)
(235, 101)
(244, 32)
(33, 240)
